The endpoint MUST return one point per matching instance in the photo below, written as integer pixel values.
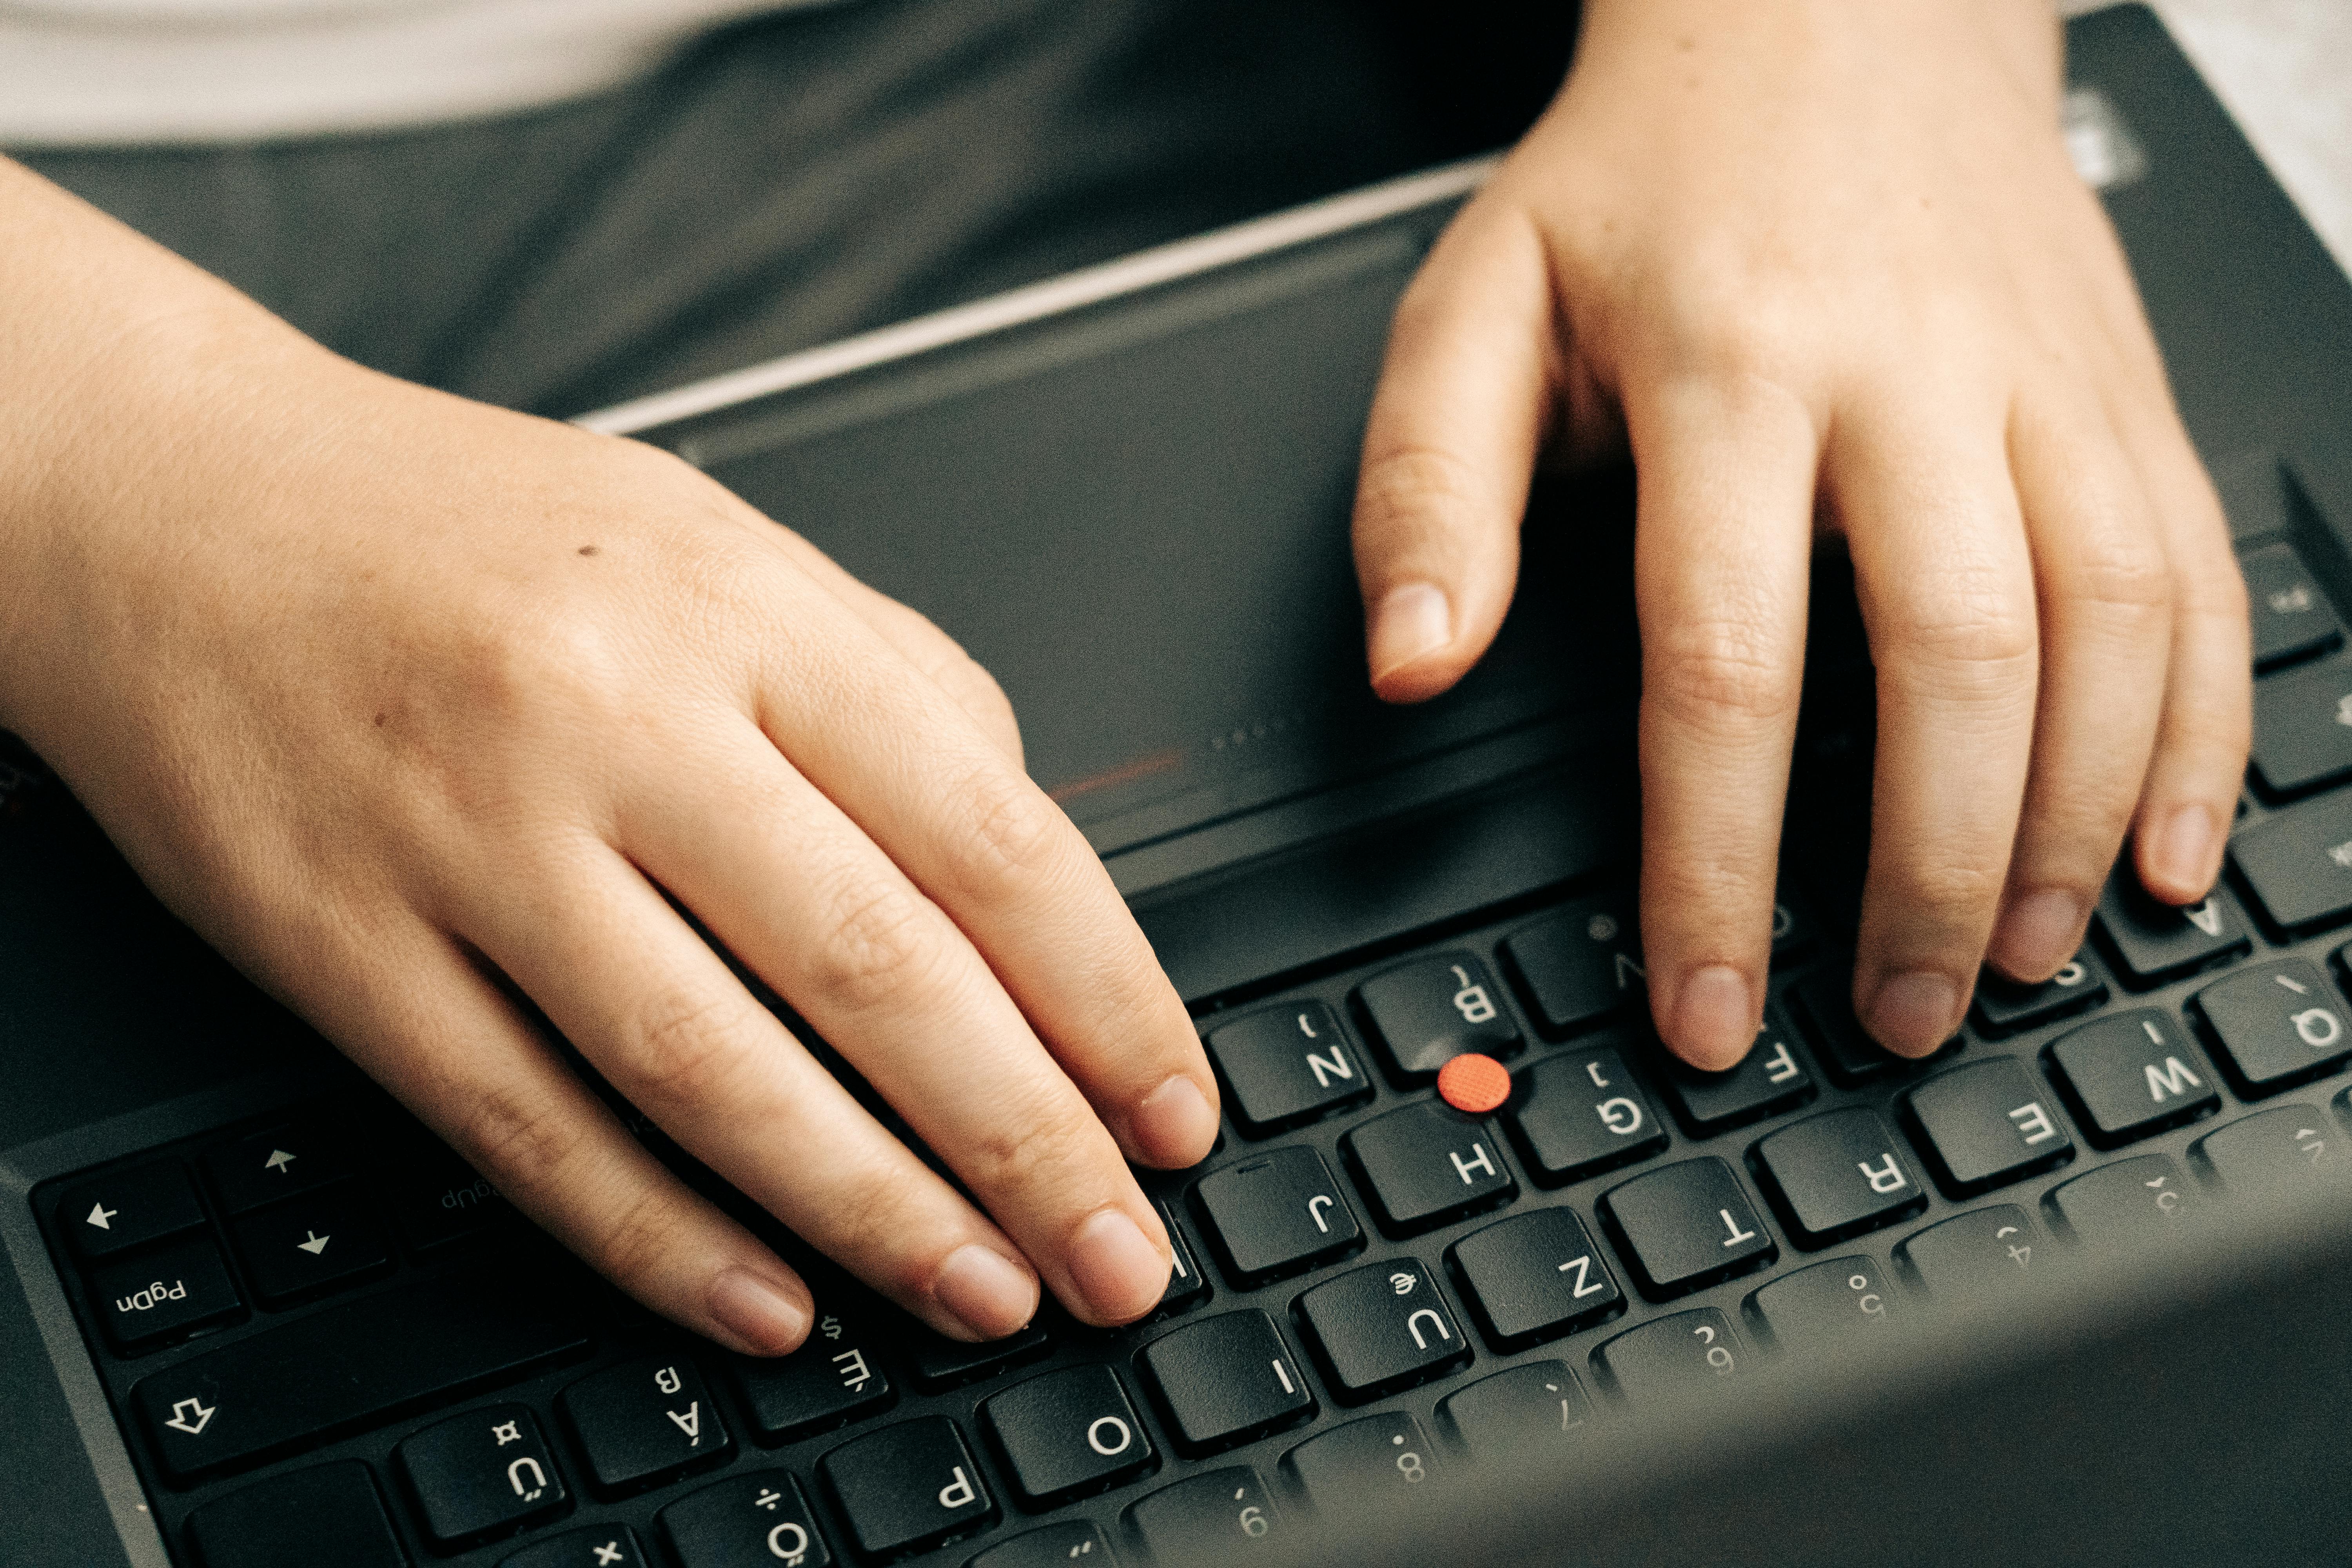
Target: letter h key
(1427, 1165)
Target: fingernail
(1715, 1017)
(762, 1316)
(1913, 1013)
(1414, 620)
(2185, 849)
(986, 1291)
(2038, 932)
(1121, 1275)
(1174, 1125)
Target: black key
(2128, 1205)
(643, 1421)
(1382, 1328)
(147, 1300)
(1534, 1277)
(2254, 494)
(282, 1163)
(307, 1378)
(757, 1520)
(1838, 1174)
(130, 1208)
(1824, 1002)
(1276, 1212)
(936, 1363)
(2131, 1075)
(2292, 618)
(328, 1513)
(2156, 941)
(1426, 1013)
(1187, 1286)
(1581, 1112)
(1384, 1457)
(837, 1376)
(1224, 1379)
(1578, 965)
(1674, 1356)
(1287, 1065)
(907, 1486)
(1208, 1518)
(433, 1198)
(488, 1469)
(1987, 1124)
(603, 1546)
(1685, 1226)
(1428, 1163)
(2277, 1023)
(2287, 1149)
(1988, 1255)
(2300, 741)
(1067, 1432)
(309, 1246)
(1824, 1309)
(1055, 1546)
(1793, 928)
(2299, 861)
(1771, 1077)
(1518, 1417)
(2004, 1006)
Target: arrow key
(109, 1216)
(281, 1162)
(309, 1246)
(159, 1296)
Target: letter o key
(1118, 1444)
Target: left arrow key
(110, 1215)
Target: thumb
(1468, 389)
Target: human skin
(1824, 268)
(408, 703)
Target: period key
(1287, 1065)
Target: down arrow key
(286, 1251)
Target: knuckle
(1973, 643)
(1410, 486)
(1042, 1149)
(1013, 836)
(524, 1143)
(1710, 672)
(878, 944)
(689, 1048)
(2128, 579)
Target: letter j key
(1287, 1063)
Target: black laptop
(2075, 1304)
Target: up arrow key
(313, 1243)
(100, 1214)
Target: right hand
(400, 700)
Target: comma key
(757, 1520)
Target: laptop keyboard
(329, 1341)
